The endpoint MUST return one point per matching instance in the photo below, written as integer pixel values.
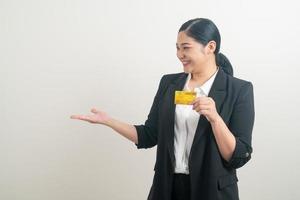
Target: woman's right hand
(98, 117)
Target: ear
(211, 47)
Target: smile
(185, 62)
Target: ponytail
(223, 62)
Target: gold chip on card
(184, 97)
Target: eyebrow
(183, 43)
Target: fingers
(201, 99)
(74, 117)
(202, 108)
(203, 104)
(84, 117)
(88, 118)
(197, 104)
(81, 117)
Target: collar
(205, 87)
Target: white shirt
(186, 121)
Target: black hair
(203, 31)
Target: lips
(185, 62)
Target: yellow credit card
(184, 97)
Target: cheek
(199, 58)
(193, 55)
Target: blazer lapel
(176, 84)
(217, 93)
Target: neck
(202, 76)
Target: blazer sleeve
(147, 132)
(241, 125)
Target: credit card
(184, 97)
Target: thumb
(94, 110)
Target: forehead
(183, 38)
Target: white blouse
(186, 121)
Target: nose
(180, 54)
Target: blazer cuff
(241, 155)
(140, 139)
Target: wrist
(216, 120)
(108, 122)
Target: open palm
(98, 117)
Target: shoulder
(173, 76)
(168, 78)
(239, 87)
(239, 83)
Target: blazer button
(247, 154)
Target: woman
(199, 145)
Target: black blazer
(212, 177)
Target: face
(193, 55)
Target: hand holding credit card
(184, 97)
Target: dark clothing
(211, 177)
(181, 189)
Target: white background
(59, 58)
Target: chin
(187, 70)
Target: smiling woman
(195, 39)
(199, 144)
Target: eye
(186, 48)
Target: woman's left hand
(207, 107)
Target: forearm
(225, 139)
(124, 129)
